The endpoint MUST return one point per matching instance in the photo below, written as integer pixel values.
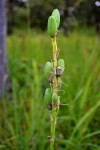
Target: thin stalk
(55, 108)
(55, 83)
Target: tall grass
(24, 120)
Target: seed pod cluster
(53, 72)
(53, 23)
(49, 74)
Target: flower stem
(55, 83)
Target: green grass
(24, 121)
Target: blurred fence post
(4, 80)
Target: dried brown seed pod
(49, 106)
(59, 71)
(50, 79)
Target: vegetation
(53, 70)
(24, 121)
(35, 13)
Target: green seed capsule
(56, 15)
(47, 69)
(48, 95)
(52, 26)
(55, 97)
(61, 63)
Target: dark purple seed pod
(50, 79)
(49, 106)
(59, 71)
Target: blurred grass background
(25, 122)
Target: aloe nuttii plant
(53, 71)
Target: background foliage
(25, 120)
(35, 13)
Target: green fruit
(55, 97)
(56, 15)
(52, 26)
(48, 95)
(47, 69)
(61, 63)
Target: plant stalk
(55, 108)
